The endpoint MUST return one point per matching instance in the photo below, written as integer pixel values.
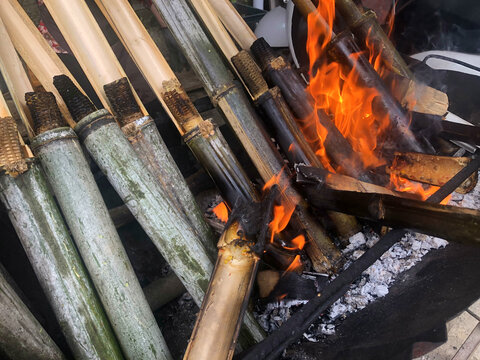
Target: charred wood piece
(275, 344)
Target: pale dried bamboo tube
(15, 76)
(89, 45)
(4, 110)
(34, 50)
(235, 24)
(149, 60)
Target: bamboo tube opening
(11, 155)
(45, 112)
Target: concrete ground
(463, 337)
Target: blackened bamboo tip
(77, 103)
(123, 102)
(11, 155)
(250, 73)
(45, 112)
(263, 52)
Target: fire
(298, 243)
(401, 184)
(295, 265)
(337, 91)
(221, 212)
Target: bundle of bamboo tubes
(51, 192)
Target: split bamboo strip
(432, 169)
(98, 242)
(55, 260)
(21, 335)
(15, 77)
(216, 329)
(33, 49)
(235, 24)
(150, 204)
(89, 45)
(218, 83)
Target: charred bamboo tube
(341, 48)
(21, 335)
(88, 44)
(366, 27)
(150, 205)
(34, 50)
(447, 222)
(286, 131)
(15, 77)
(432, 169)
(217, 323)
(51, 251)
(218, 83)
(301, 103)
(87, 217)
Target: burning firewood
(448, 222)
(297, 324)
(21, 335)
(431, 169)
(217, 326)
(34, 50)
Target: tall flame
(337, 91)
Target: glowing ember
(221, 212)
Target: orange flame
(295, 265)
(338, 92)
(221, 212)
(401, 184)
(298, 243)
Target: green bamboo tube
(58, 266)
(21, 335)
(146, 200)
(218, 82)
(87, 217)
(49, 247)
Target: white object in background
(258, 4)
(290, 8)
(440, 64)
(273, 27)
(457, 119)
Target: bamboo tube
(232, 20)
(447, 222)
(55, 260)
(15, 77)
(87, 217)
(432, 169)
(4, 110)
(218, 83)
(88, 44)
(368, 30)
(214, 337)
(150, 205)
(34, 50)
(21, 335)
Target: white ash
(376, 280)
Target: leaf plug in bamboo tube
(94, 233)
(54, 258)
(11, 154)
